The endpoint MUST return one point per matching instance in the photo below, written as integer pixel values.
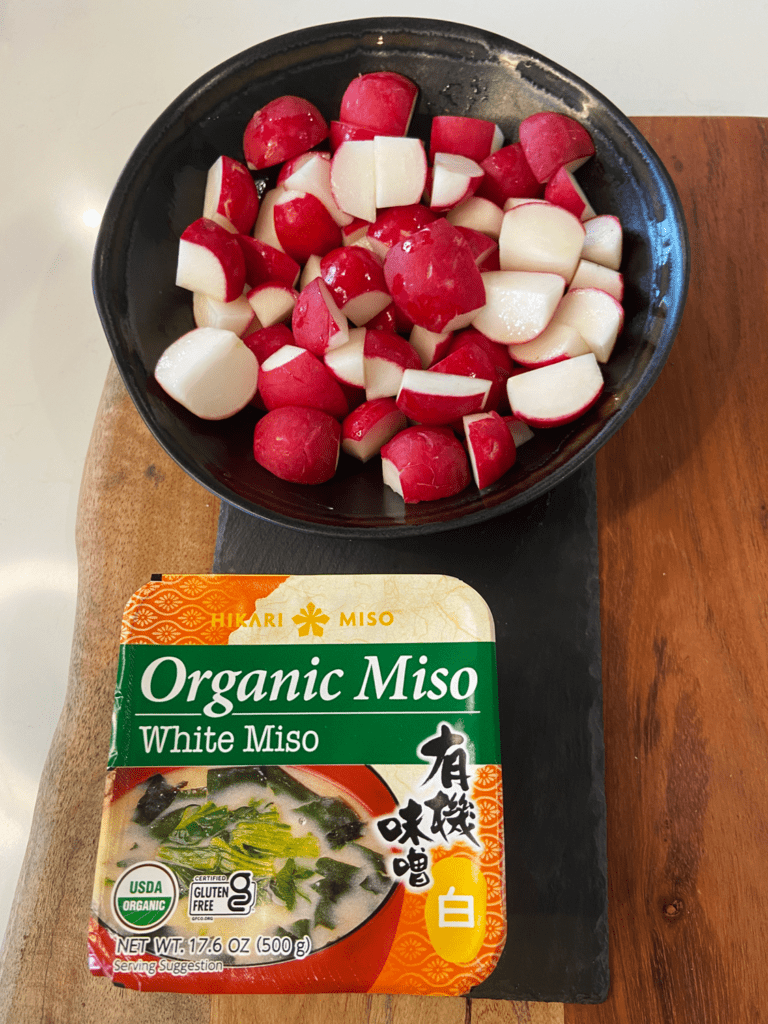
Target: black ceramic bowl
(459, 70)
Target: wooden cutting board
(683, 524)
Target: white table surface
(81, 80)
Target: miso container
(303, 790)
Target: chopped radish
(507, 174)
(557, 393)
(382, 101)
(429, 345)
(341, 131)
(386, 356)
(563, 190)
(265, 263)
(471, 360)
(317, 322)
(551, 140)
(557, 341)
(490, 446)
(466, 136)
(479, 214)
(520, 431)
(264, 341)
(355, 278)
(230, 197)
(596, 315)
(294, 376)
(209, 371)
(313, 175)
(519, 304)
(353, 181)
(542, 238)
(303, 225)
(369, 426)
(386, 320)
(593, 275)
(399, 170)
(437, 399)
(432, 277)
(454, 179)
(300, 445)
(425, 464)
(284, 128)
(310, 271)
(233, 316)
(395, 224)
(264, 228)
(355, 232)
(210, 261)
(603, 241)
(272, 303)
(481, 245)
(346, 361)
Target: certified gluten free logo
(145, 896)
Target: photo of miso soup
(300, 835)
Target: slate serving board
(537, 568)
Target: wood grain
(683, 513)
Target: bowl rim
(357, 29)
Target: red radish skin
(317, 322)
(491, 447)
(563, 190)
(294, 376)
(433, 278)
(284, 128)
(471, 137)
(265, 341)
(298, 444)
(551, 140)
(386, 357)
(230, 197)
(370, 426)
(313, 175)
(470, 360)
(394, 225)
(507, 175)
(439, 399)
(386, 320)
(210, 261)
(341, 131)
(355, 279)
(425, 464)
(381, 101)
(265, 263)
(304, 227)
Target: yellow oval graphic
(455, 909)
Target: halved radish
(551, 140)
(230, 197)
(294, 376)
(210, 261)
(282, 129)
(555, 394)
(490, 446)
(355, 278)
(382, 101)
(317, 322)
(209, 371)
(369, 426)
(298, 444)
(437, 399)
(425, 464)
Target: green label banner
(288, 704)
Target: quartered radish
(209, 371)
(424, 464)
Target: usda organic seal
(145, 896)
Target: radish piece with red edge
(298, 444)
(230, 197)
(318, 324)
(520, 431)
(596, 315)
(429, 345)
(518, 306)
(353, 181)
(272, 303)
(313, 175)
(433, 279)
(562, 189)
(210, 261)
(310, 271)
(346, 361)
(382, 101)
(264, 228)
(355, 278)
(551, 140)
(438, 399)
(369, 426)
(303, 225)
(341, 131)
(265, 263)
(557, 341)
(386, 356)
(454, 179)
(397, 223)
(211, 372)
(425, 464)
(294, 376)
(399, 170)
(603, 241)
(593, 275)
(235, 316)
(471, 137)
(558, 393)
(490, 446)
(283, 128)
(470, 360)
(507, 174)
(479, 214)
(541, 238)
(386, 320)
(481, 245)
(264, 341)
